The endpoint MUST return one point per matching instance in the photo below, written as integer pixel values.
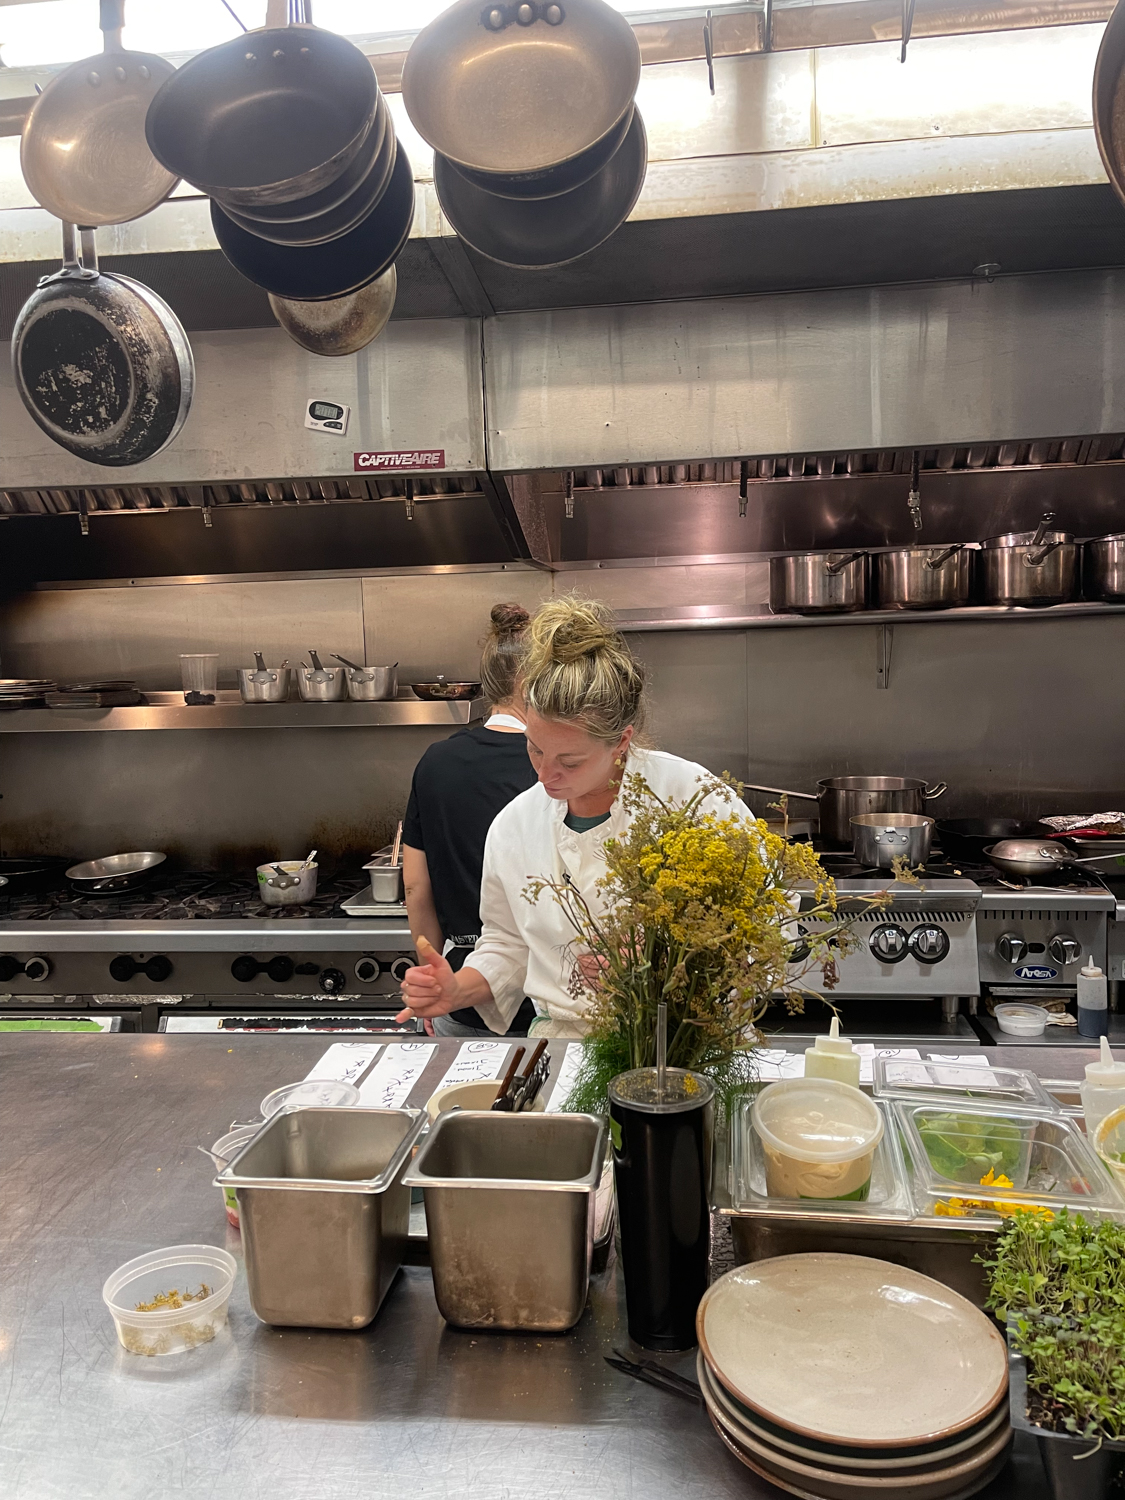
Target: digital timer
(327, 416)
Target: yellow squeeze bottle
(833, 1056)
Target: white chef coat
(529, 948)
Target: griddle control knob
(281, 969)
(1011, 948)
(159, 968)
(889, 943)
(37, 968)
(9, 967)
(367, 970)
(332, 981)
(244, 969)
(929, 945)
(1064, 950)
(399, 967)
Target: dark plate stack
(540, 152)
(24, 692)
(287, 133)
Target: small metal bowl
(441, 691)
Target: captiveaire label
(415, 458)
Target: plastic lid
(637, 1089)
(1090, 970)
(837, 1045)
(817, 1120)
(1105, 1073)
(324, 1093)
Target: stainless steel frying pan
(117, 872)
(83, 152)
(343, 325)
(1028, 857)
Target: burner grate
(191, 896)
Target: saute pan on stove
(115, 873)
(968, 838)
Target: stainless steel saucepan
(1028, 857)
(813, 583)
(843, 798)
(1029, 567)
(878, 839)
(924, 577)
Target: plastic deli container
(1109, 1143)
(818, 1138)
(1022, 1020)
(183, 1269)
(323, 1093)
(223, 1152)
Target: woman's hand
(592, 966)
(431, 988)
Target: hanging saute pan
(83, 152)
(342, 325)
(552, 180)
(313, 273)
(519, 87)
(100, 362)
(334, 222)
(1109, 100)
(270, 117)
(549, 231)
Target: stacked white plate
(837, 1377)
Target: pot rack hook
(409, 487)
(226, 4)
(743, 487)
(568, 495)
(907, 26)
(709, 49)
(767, 27)
(914, 499)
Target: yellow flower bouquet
(697, 910)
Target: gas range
(199, 939)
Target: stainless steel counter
(99, 1164)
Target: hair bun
(581, 636)
(509, 619)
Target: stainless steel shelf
(727, 617)
(169, 711)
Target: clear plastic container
(952, 1083)
(184, 1269)
(888, 1194)
(200, 672)
(1022, 1020)
(311, 1093)
(222, 1153)
(818, 1138)
(1109, 1142)
(970, 1161)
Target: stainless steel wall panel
(902, 366)
(417, 386)
(761, 103)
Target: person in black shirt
(459, 786)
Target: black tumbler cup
(662, 1168)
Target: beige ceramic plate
(849, 1350)
(797, 1481)
(740, 1424)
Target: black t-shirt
(459, 786)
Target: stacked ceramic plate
(24, 692)
(837, 1377)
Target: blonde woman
(583, 702)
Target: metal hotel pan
(519, 88)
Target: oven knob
(1011, 948)
(799, 952)
(929, 945)
(159, 968)
(281, 968)
(123, 968)
(9, 967)
(1064, 950)
(888, 943)
(367, 970)
(332, 981)
(37, 968)
(244, 969)
(399, 968)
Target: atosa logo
(415, 458)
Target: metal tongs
(653, 1374)
(518, 1093)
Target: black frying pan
(31, 873)
(334, 222)
(552, 181)
(100, 362)
(314, 273)
(968, 838)
(269, 117)
(549, 231)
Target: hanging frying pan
(1109, 100)
(83, 151)
(551, 231)
(519, 87)
(552, 180)
(314, 273)
(334, 222)
(342, 325)
(100, 362)
(270, 117)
